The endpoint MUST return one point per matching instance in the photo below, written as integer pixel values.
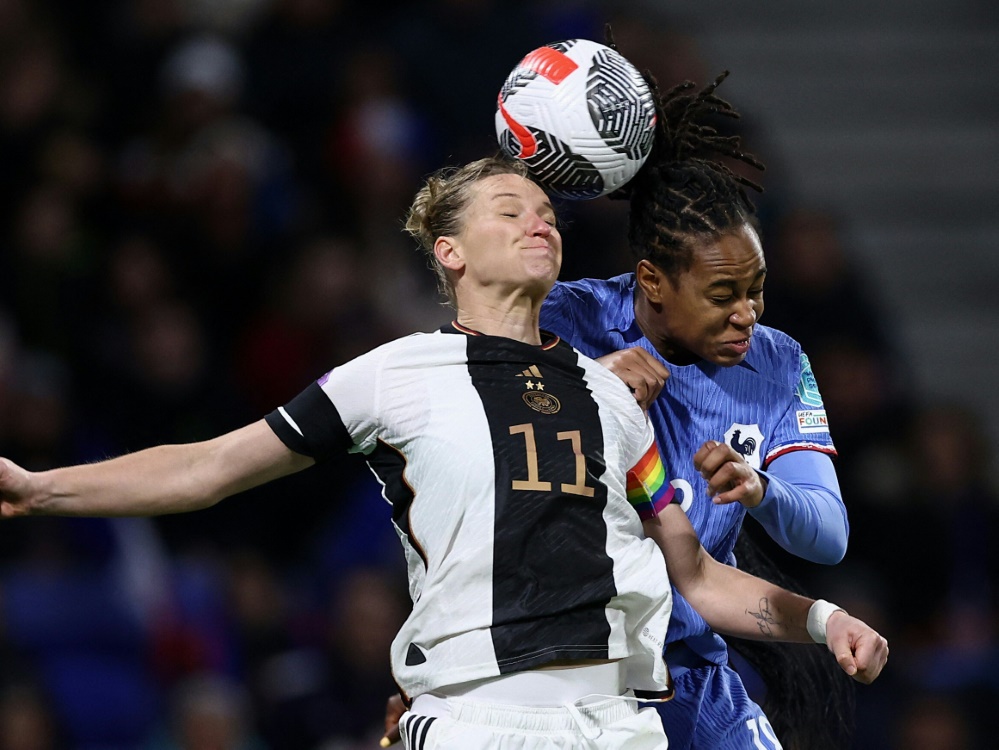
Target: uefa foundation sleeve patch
(648, 489)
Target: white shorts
(613, 724)
(554, 710)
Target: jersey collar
(548, 340)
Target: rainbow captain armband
(648, 489)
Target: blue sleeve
(556, 313)
(802, 509)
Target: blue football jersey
(765, 406)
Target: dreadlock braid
(685, 194)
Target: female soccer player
(515, 468)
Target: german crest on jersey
(535, 395)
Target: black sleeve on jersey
(323, 431)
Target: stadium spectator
(209, 712)
(332, 692)
(26, 720)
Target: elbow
(692, 579)
(833, 553)
(202, 502)
(199, 493)
(830, 548)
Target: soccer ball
(579, 115)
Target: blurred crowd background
(200, 213)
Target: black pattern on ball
(620, 104)
(517, 80)
(556, 168)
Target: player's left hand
(644, 375)
(394, 709)
(730, 479)
(860, 650)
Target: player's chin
(536, 289)
(541, 276)
(726, 357)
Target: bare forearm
(730, 600)
(735, 603)
(150, 482)
(165, 479)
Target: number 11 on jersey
(533, 481)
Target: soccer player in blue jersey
(739, 417)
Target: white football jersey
(505, 465)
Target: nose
(744, 314)
(540, 227)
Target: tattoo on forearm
(764, 618)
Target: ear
(651, 281)
(448, 253)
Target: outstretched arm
(797, 500)
(164, 479)
(736, 603)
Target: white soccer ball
(579, 115)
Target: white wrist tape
(818, 615)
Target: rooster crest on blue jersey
(579, 115)
(747, 441)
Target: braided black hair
(682, 195)
(685, 193)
